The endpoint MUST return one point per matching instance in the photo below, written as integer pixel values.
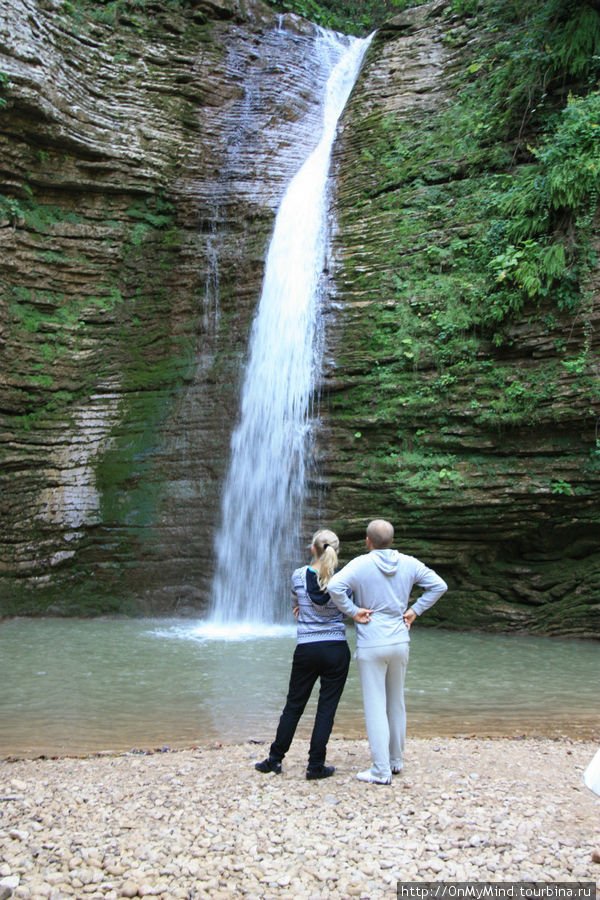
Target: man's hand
(363, 616)
(409, 617)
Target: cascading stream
(263, 491)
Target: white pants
(382, 671)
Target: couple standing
(380, 581)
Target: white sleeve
(434, 588)
(340, 591)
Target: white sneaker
(367, 775)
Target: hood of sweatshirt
(386, 560)
(313, 590)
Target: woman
(321, 652)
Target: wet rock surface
(486, 463)
(141, 165)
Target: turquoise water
(73, 686)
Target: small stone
(114, 869)
(22, 892)
(130, 889)
(436, 865)
(148, 890)
(18, 785)
(17, 834)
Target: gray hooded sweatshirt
(382, 581)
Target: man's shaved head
(380, 533)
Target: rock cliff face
(141, 164)
(487, 461)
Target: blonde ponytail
(326, 546)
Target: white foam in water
(220, 631)
(262, 498)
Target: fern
(532, 250)
(553, 261)
(576, 42)
(551, 43)
(572, 157)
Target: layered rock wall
(487, 461)
(141, 164)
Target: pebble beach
(202, 823)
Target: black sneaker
(319, 772)
(268, 765)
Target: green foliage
(574, 38)
(562, 487)
(570, 157)
(594, 463)
(39, 311)
(40, 217)
(538, 241)
(536, 205)
(153, 214)
(543, 45)
(421, 474)
(349, 16)
(464, 7)
(539, 246)
(10, 208)
(156, 212)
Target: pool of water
(73, 686)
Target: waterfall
(257, 542)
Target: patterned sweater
(318, 619)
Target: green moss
(40, 217)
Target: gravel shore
(202, 823)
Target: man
(381, 581)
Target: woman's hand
(296, 611)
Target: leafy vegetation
(358, 17)
(540, 242)
(543, 106)
(511, 224)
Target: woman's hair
(326, 546)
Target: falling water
(262, 499)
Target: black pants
(329, 661)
